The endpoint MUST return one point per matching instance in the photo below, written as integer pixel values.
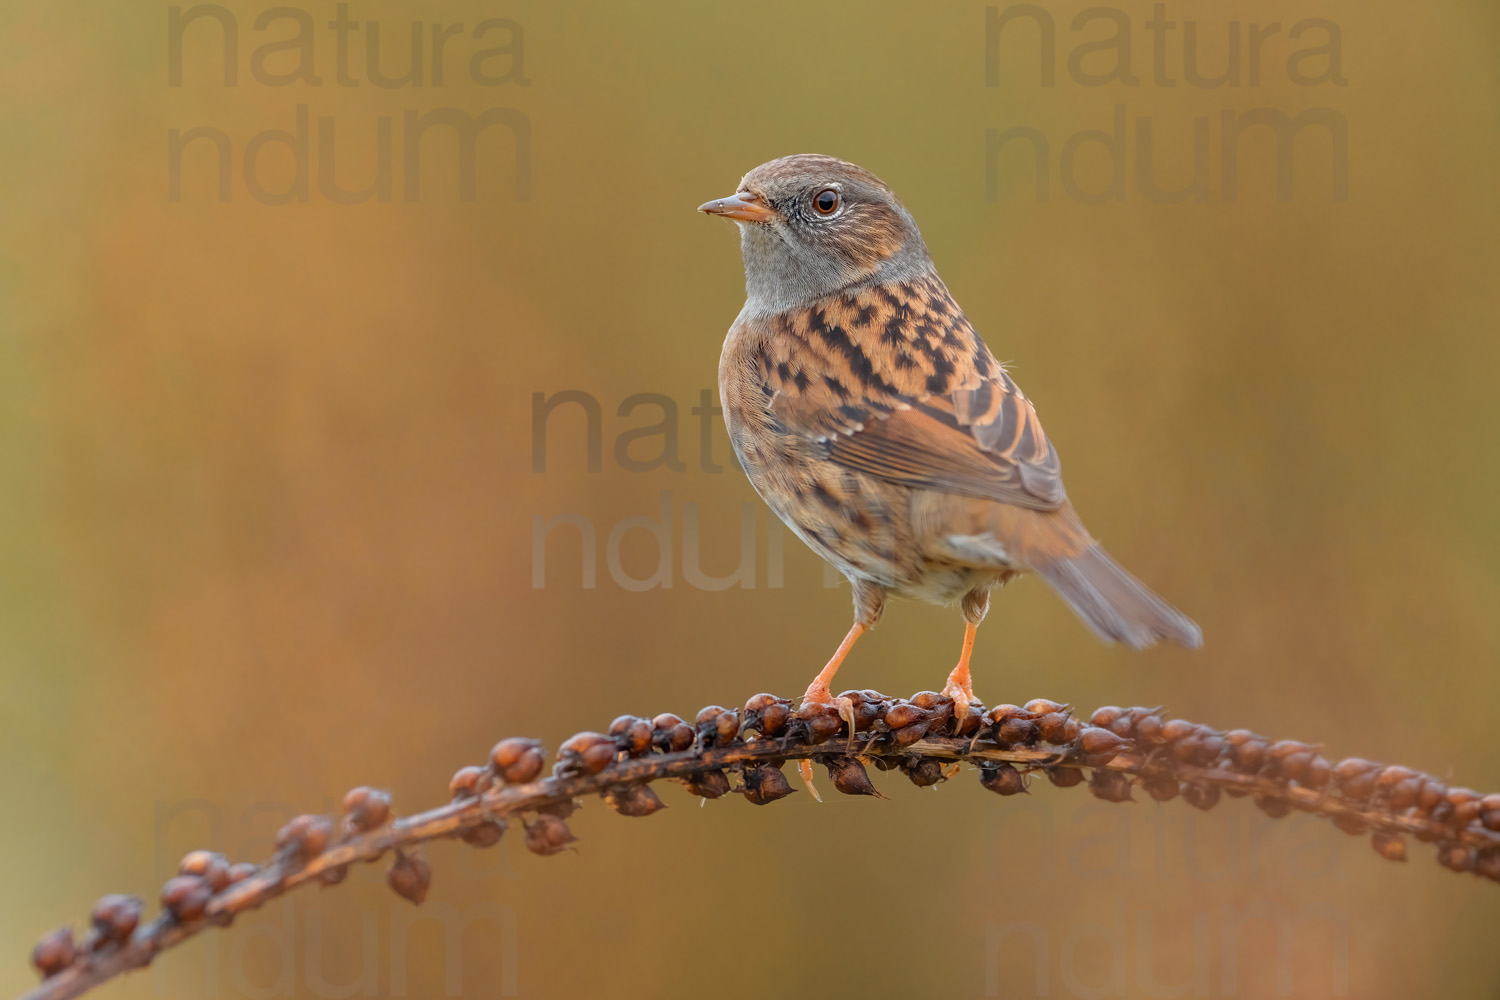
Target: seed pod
(1294, 766)
(923, 771)
(821, 722)
(1356, 778)
(1146, 729)
(562, 809)
(1105, 716)
(1487, 865)
(1177, 729)
(764, 784)
(518, 760)
(708, 784)
(850, 777)
(186, 897)
(1490, 819)
(1002, 779)
(486, 834)
(1065, 777)
(54, 952)
(1389, 845)
(727, 728)
(115, 917)
(585, 753)
(466, 782)
(304, 838)
(1161, 787)
(908, 735)
(333, 876)
(1101, 746)
(548, 835)
(632, 734)
(1435, 791)
(1393, 775)
(209, 865)
(1052, 728)
(241, 870)
(1404, 795)
(865, 709)
(768, 714)
(1467, 806)
(971, 723)
(670, 734)
(1016, 731)
(904, 713)
(1000, 713)
(1273, 807)
(1442, 815)
(706, 724)
(1200, 796)
(1111, 786)
(1318, 773)
(938, 706)
(1044, 706)
(410, 876)
(633, 800)
(1185, 749)
(366, 809)
(1457, 857)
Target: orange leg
(818, 693)
(960, 685)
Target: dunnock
(874, 421)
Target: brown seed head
(485, 834)
(518, 760)
(633, 800)
(366, 809)
(1389, 845)
(410, 876)
(1003, 779)
(186, 897)
(304, 838)
(1111, 786)
(708, 784)
(585, 753)
(923, 771)
(115, 917)
(54, 952)
(209, 865)
(548, 835)
(465, 783)
(764, 784)
(850, 777)
(1065, 777)
(1200, 796)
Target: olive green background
(266, 516)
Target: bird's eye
(826, 201)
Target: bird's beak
(743, 206)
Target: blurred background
(277, 517)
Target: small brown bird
(874, 421)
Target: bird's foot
(819, 703)
(960, 688)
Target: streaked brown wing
(895, 383)
(985, 442)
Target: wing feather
(896, 383)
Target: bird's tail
(1115, 604)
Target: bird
(872, 418)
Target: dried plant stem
(97, 963)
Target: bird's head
(812, 226)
